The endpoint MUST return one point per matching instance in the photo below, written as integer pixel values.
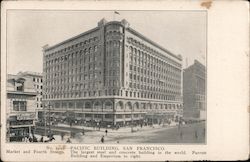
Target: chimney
(102, 22)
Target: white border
(227, 84)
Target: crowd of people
(33, 138)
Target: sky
(181, 32)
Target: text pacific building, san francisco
(112, 75)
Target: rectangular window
(15, 105)
(109, 116)
(88, 115)
(19, 105)
(119, 116)
(127, 116)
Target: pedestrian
(34, 139)
(30, 139)
(98, 125)
(181, 135)
(62, 136)
(196, 134)
(68, 140)
(52, 138)
(83, 131)
(27, 138)
(41, 139)
(106, 131)
(102, 139)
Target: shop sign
(26, 116)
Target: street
(190, 133)
(186, 134)
(193, 133)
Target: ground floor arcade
(104, 112)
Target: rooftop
(196, 64)
(103, 22)
(32, 73)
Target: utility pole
(45, 116)
(132, 120)
(45, 120)
(49, 118)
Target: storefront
(20, 126)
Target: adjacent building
(112, 75)
(37, 79)
(194, 91)
(21, 107)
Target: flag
(117, 13)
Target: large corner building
(112, 75)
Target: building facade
(194, 91)
(37, 79)
(21, 107)
(112, 75)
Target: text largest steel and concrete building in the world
(112, 75)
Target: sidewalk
(113, 136)
(120, 130)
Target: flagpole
(186, 62)
(115, 12)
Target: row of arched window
(107, 104)
(79, 93)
